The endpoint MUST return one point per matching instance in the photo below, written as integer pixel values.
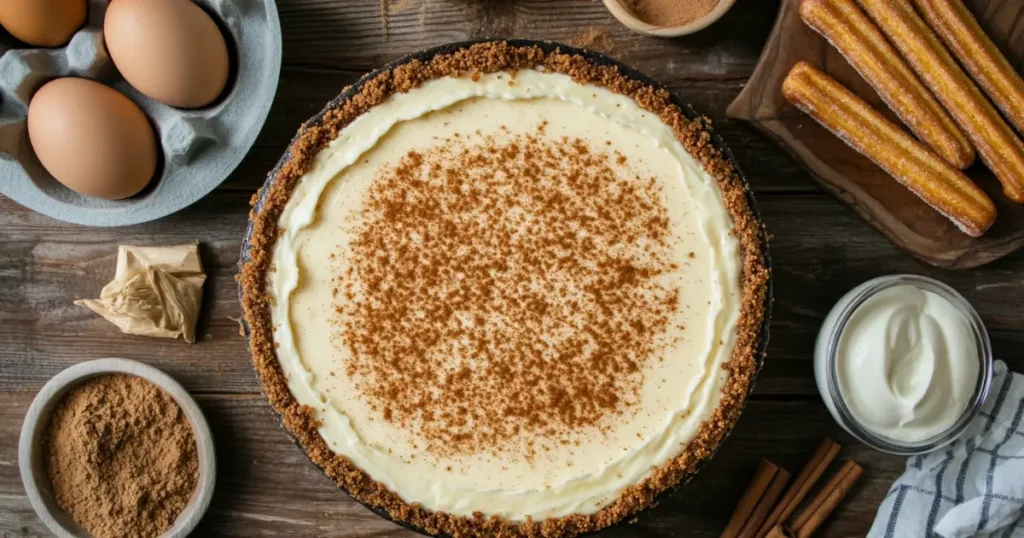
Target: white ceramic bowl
(625, 16)
(31, 454)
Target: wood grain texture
(816, 259)
(266, 486)
(352, 33)
(888, 206)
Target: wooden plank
(266, 486)
(705, 69)
(820, 250)
(353, 34)
(329, 45)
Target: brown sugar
(593, 38)
(670, 13)
(121, 457)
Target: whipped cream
(907, 363)
(681, 390)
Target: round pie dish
(32, 457)
(491, 381)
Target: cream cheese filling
(680, 391)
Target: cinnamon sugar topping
(506, 290)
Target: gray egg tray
(199, 148)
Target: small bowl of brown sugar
(668, 18)
(115, 448)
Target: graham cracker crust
(489, 57)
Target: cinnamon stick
(765, 505)
(766, 471)
(822, 458)
(828, 498)
(781, 531)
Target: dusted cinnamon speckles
(531, 278)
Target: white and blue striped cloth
(973, 487)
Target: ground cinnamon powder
(670, 13)
(122, 457)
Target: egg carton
(199, 148)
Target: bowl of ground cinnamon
(115, 448)
(668, 18)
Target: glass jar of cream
(903, 363)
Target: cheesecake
(504, 291)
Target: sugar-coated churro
(853, 34)
(959, 30)
(911, 163)
(998, 145)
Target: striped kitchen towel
(973, 487)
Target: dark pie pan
(546, 46)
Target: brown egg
(43, 23)
(92, 138)
(170, 50)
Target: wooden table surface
(266, 487)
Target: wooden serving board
(874, 195)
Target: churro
(996, 142)
(907, 160)
(850, 31)
(959, 30)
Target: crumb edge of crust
(489, 57)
